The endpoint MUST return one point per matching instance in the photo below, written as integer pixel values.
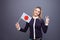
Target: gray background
(11, 10)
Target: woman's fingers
(47, 19)
(46, 16)
(17, 25)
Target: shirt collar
(35, 17)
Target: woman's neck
(35, 17)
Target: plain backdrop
(11, 10)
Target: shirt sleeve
(26, 27)
(44, 26)
(19, 28)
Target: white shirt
(34, 26)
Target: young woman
(36, 24)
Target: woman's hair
(40, 15)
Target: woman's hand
(17, 26)
(47, 20)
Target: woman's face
(36, 12)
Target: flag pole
(19, 20)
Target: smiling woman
(11, 10)
(37, 12)
(35, 25)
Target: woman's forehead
(37, 9)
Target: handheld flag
(25, 17)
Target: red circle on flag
(26, 17)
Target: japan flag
(26, 17)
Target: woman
(35, 25)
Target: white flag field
(25, 17)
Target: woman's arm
(26, 28)
(21, 29)
(45, 24)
